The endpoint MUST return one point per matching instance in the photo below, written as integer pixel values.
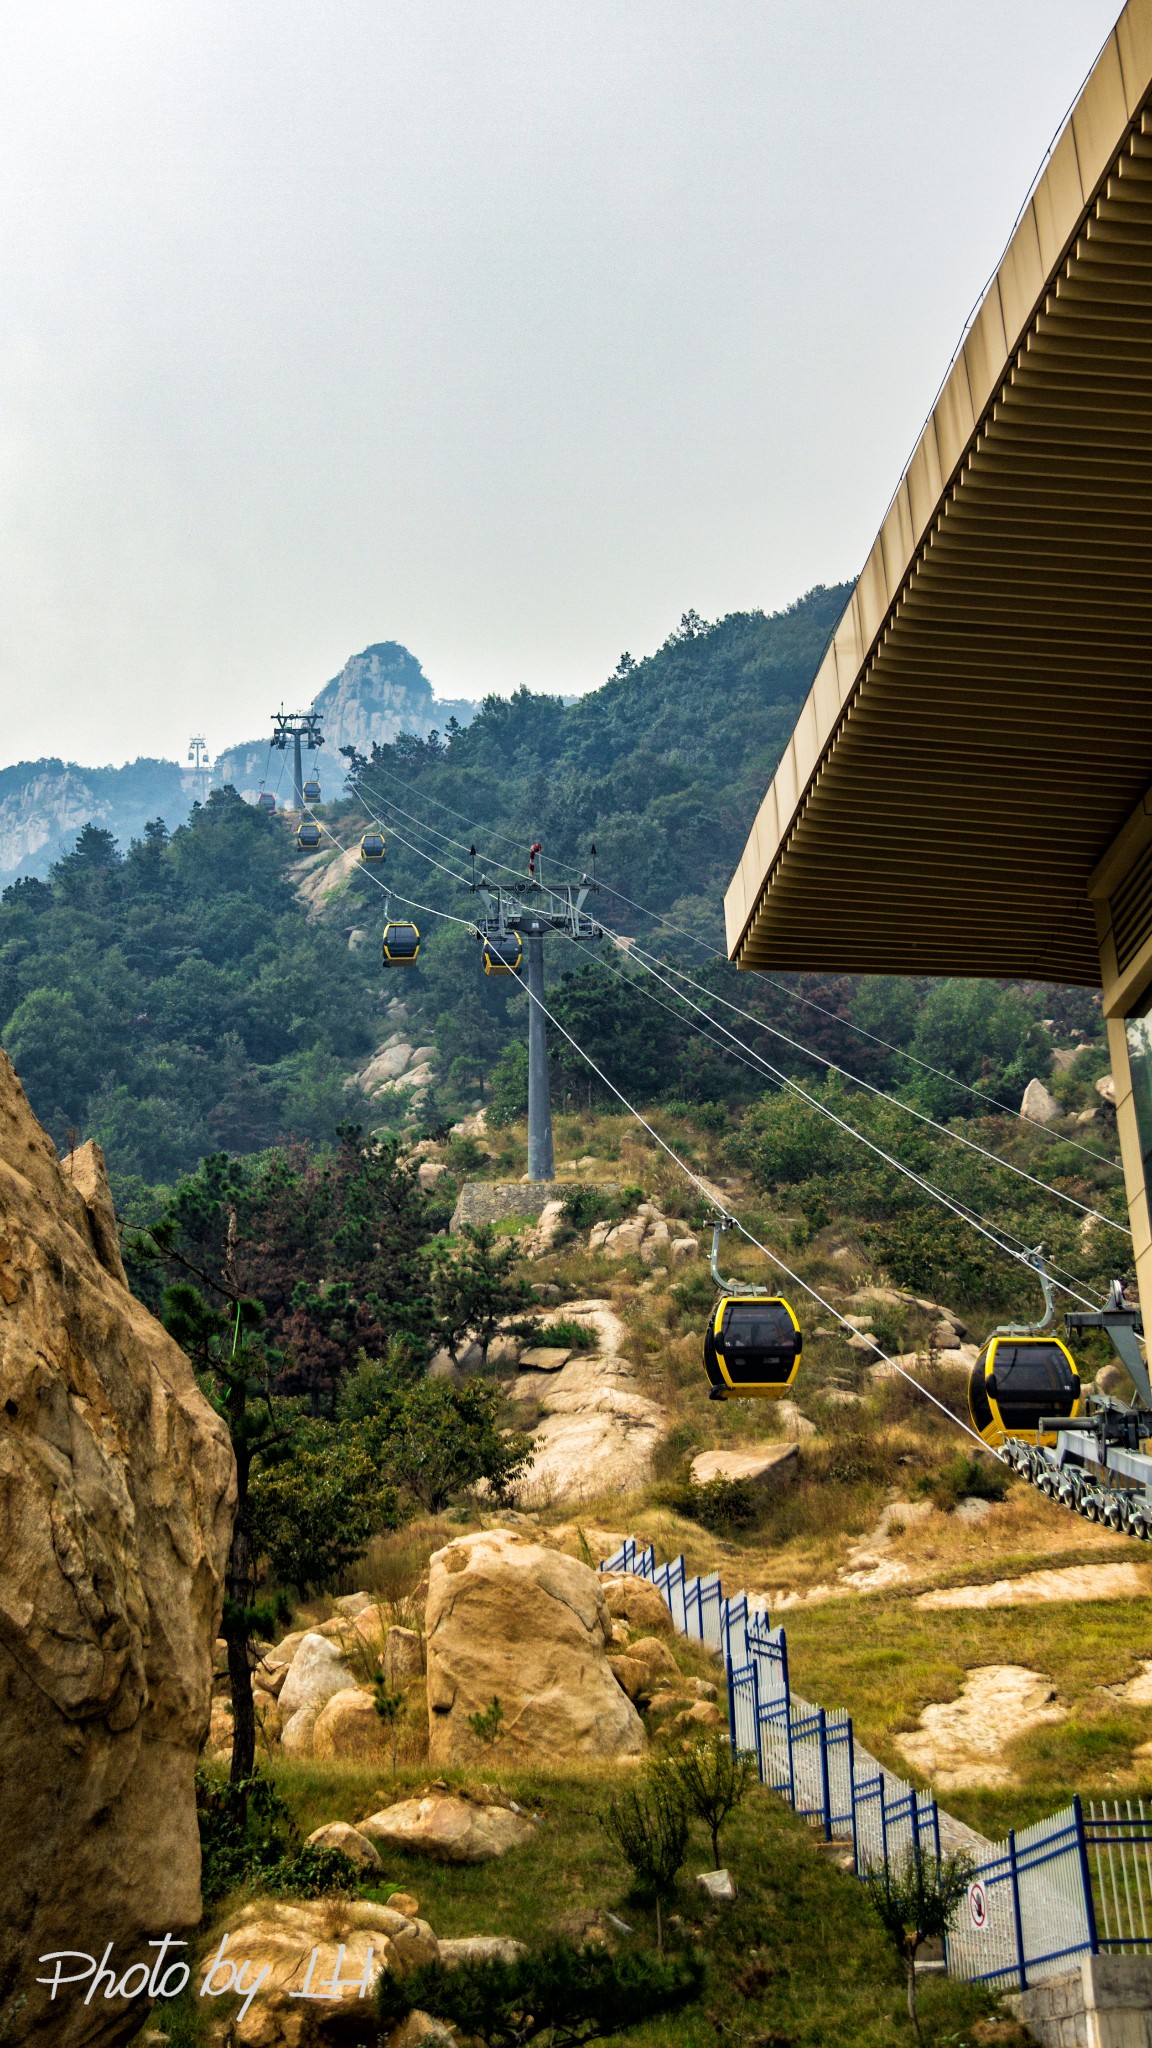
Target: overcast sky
(509, 329)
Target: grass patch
(885, 1660)
(772, 1974)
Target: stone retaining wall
(491, 1201)
(1106, 2002)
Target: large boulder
(349, 1726)
(316, 1672)
(118, 1486)
(510, 1620)
(447, 1829)
(337, 1834)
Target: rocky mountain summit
(378, 694)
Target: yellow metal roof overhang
(981, 725)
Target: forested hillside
(179, 996)
(174, 1000)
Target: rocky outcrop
(512, 1621)
(598, 1430)
(305, 1970)
(117, 1491)
(337, 1834)
(447, 1829)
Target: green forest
(179, 997)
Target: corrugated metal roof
(981, 726)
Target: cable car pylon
(512, 928)
(297, 726)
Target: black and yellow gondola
(401, 945)
(308, 836)
(752, 1347)
(372, 846)
(312, 791)
(502, 953)
(1017, 1380)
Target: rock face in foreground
(116, 1499)
(509, 1620)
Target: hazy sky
(506, 328)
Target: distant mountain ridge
(378, 694)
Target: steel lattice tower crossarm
(297, 726)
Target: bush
(247, 1834)
(585, 1206)
(967, 1474)
(571, 1994)
(569, 1335)
(721, 1505)
(712, 1780)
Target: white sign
(978, 1905)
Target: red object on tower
(533, 850)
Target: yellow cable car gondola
(308, 836)
(401, 944)
(372, 846)
(1018, 1379)
(312, 791)
(502, 951)
(753, 1341)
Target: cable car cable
(750, 1056)
(772, 1257)
(963, 1211)
(652, 961)
(900, 1052)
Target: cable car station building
(968, 789)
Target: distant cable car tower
(201, 764)
(297, 726)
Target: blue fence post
(914, 1817)
(852, 1794)
(785, 1682)
(1018, 1924)
(753, 1667)
(1085, 1875)
(825, 1787)
(732, 1711)
(884, 1815)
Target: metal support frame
(297, 726)
(535, 912)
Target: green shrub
(967, 1474)
(584, 1206)
(570, 1994)
(723, 1506)
(569, 1335)
(248, 1836)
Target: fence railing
(1034, 1905)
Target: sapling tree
(914, 1901)
(475, 1287)
(389, 1706)
(712, 1780)
(649, 1825)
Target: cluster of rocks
(648, 1235)
(570, 1655)
(304, 1971)
(313, 1691)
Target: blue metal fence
(1032, 1907)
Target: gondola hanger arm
(722, 1224)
